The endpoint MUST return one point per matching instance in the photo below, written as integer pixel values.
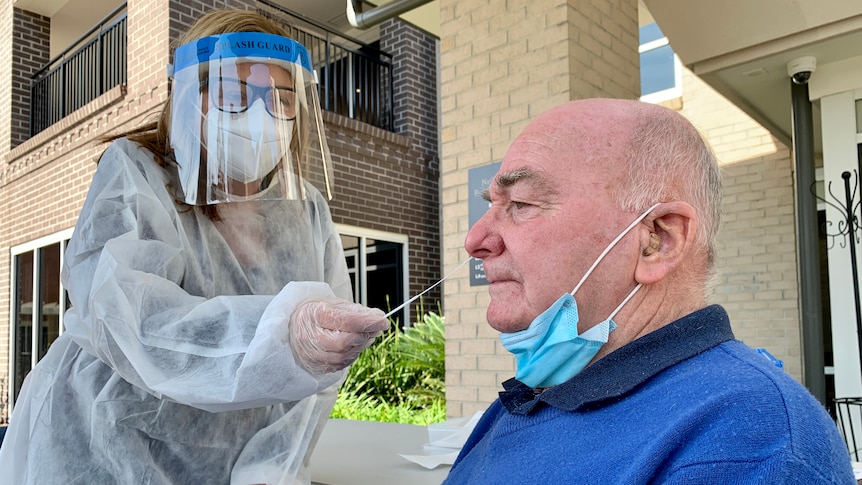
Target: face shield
(245, 120)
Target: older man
(616, 204)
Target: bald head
(656, 154)
(589, 128)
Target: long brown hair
(153, 135)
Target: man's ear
(670, 242)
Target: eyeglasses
(235, 96)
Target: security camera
(800, 69)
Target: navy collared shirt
(684, 404)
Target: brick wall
(7, 18)
(31, 50)
(757, 240)
(6, 36)
(502, 63)
(184, 13)
(414, 68)
(44, 179)
(382, 182)
(414, 59)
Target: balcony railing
(91, 66)
(355, 78)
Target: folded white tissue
(444, 441)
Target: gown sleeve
(124, 269)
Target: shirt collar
(627, 367)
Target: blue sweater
(685, 404)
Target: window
(661, 71)
(37, 304)
(377, 263)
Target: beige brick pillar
(6, 34)
(149, 37)
(502, 63)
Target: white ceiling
(70, 19)
(742, 47)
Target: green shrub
(365, 408)
(400, 378)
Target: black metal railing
(355, 77)
(92, 65)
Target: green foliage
(400, 378)
(364, 408)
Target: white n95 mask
(246, 146)
(550, 351)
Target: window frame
(34, 246)
(664, 94)
(363, 234)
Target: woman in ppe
(210, 322)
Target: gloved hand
(327, 335)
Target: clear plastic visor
(246, 126)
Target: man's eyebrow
(535, 179)
(508, 179)
(511, 177)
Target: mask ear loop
(626, 300)
(608, 249)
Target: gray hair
(669, 160)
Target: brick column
(414, 68)
(6, 36)
(31, 50)
(153, 29)
(501, 64)
(184, 13)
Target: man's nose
(482, 240)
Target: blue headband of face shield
(241, 44)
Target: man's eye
(519, 205)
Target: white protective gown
(175, 366)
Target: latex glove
(327, 335)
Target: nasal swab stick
(426, 290)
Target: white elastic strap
(626, 300)
(610, 246)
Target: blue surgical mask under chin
(550, 351)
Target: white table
(364, 452)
